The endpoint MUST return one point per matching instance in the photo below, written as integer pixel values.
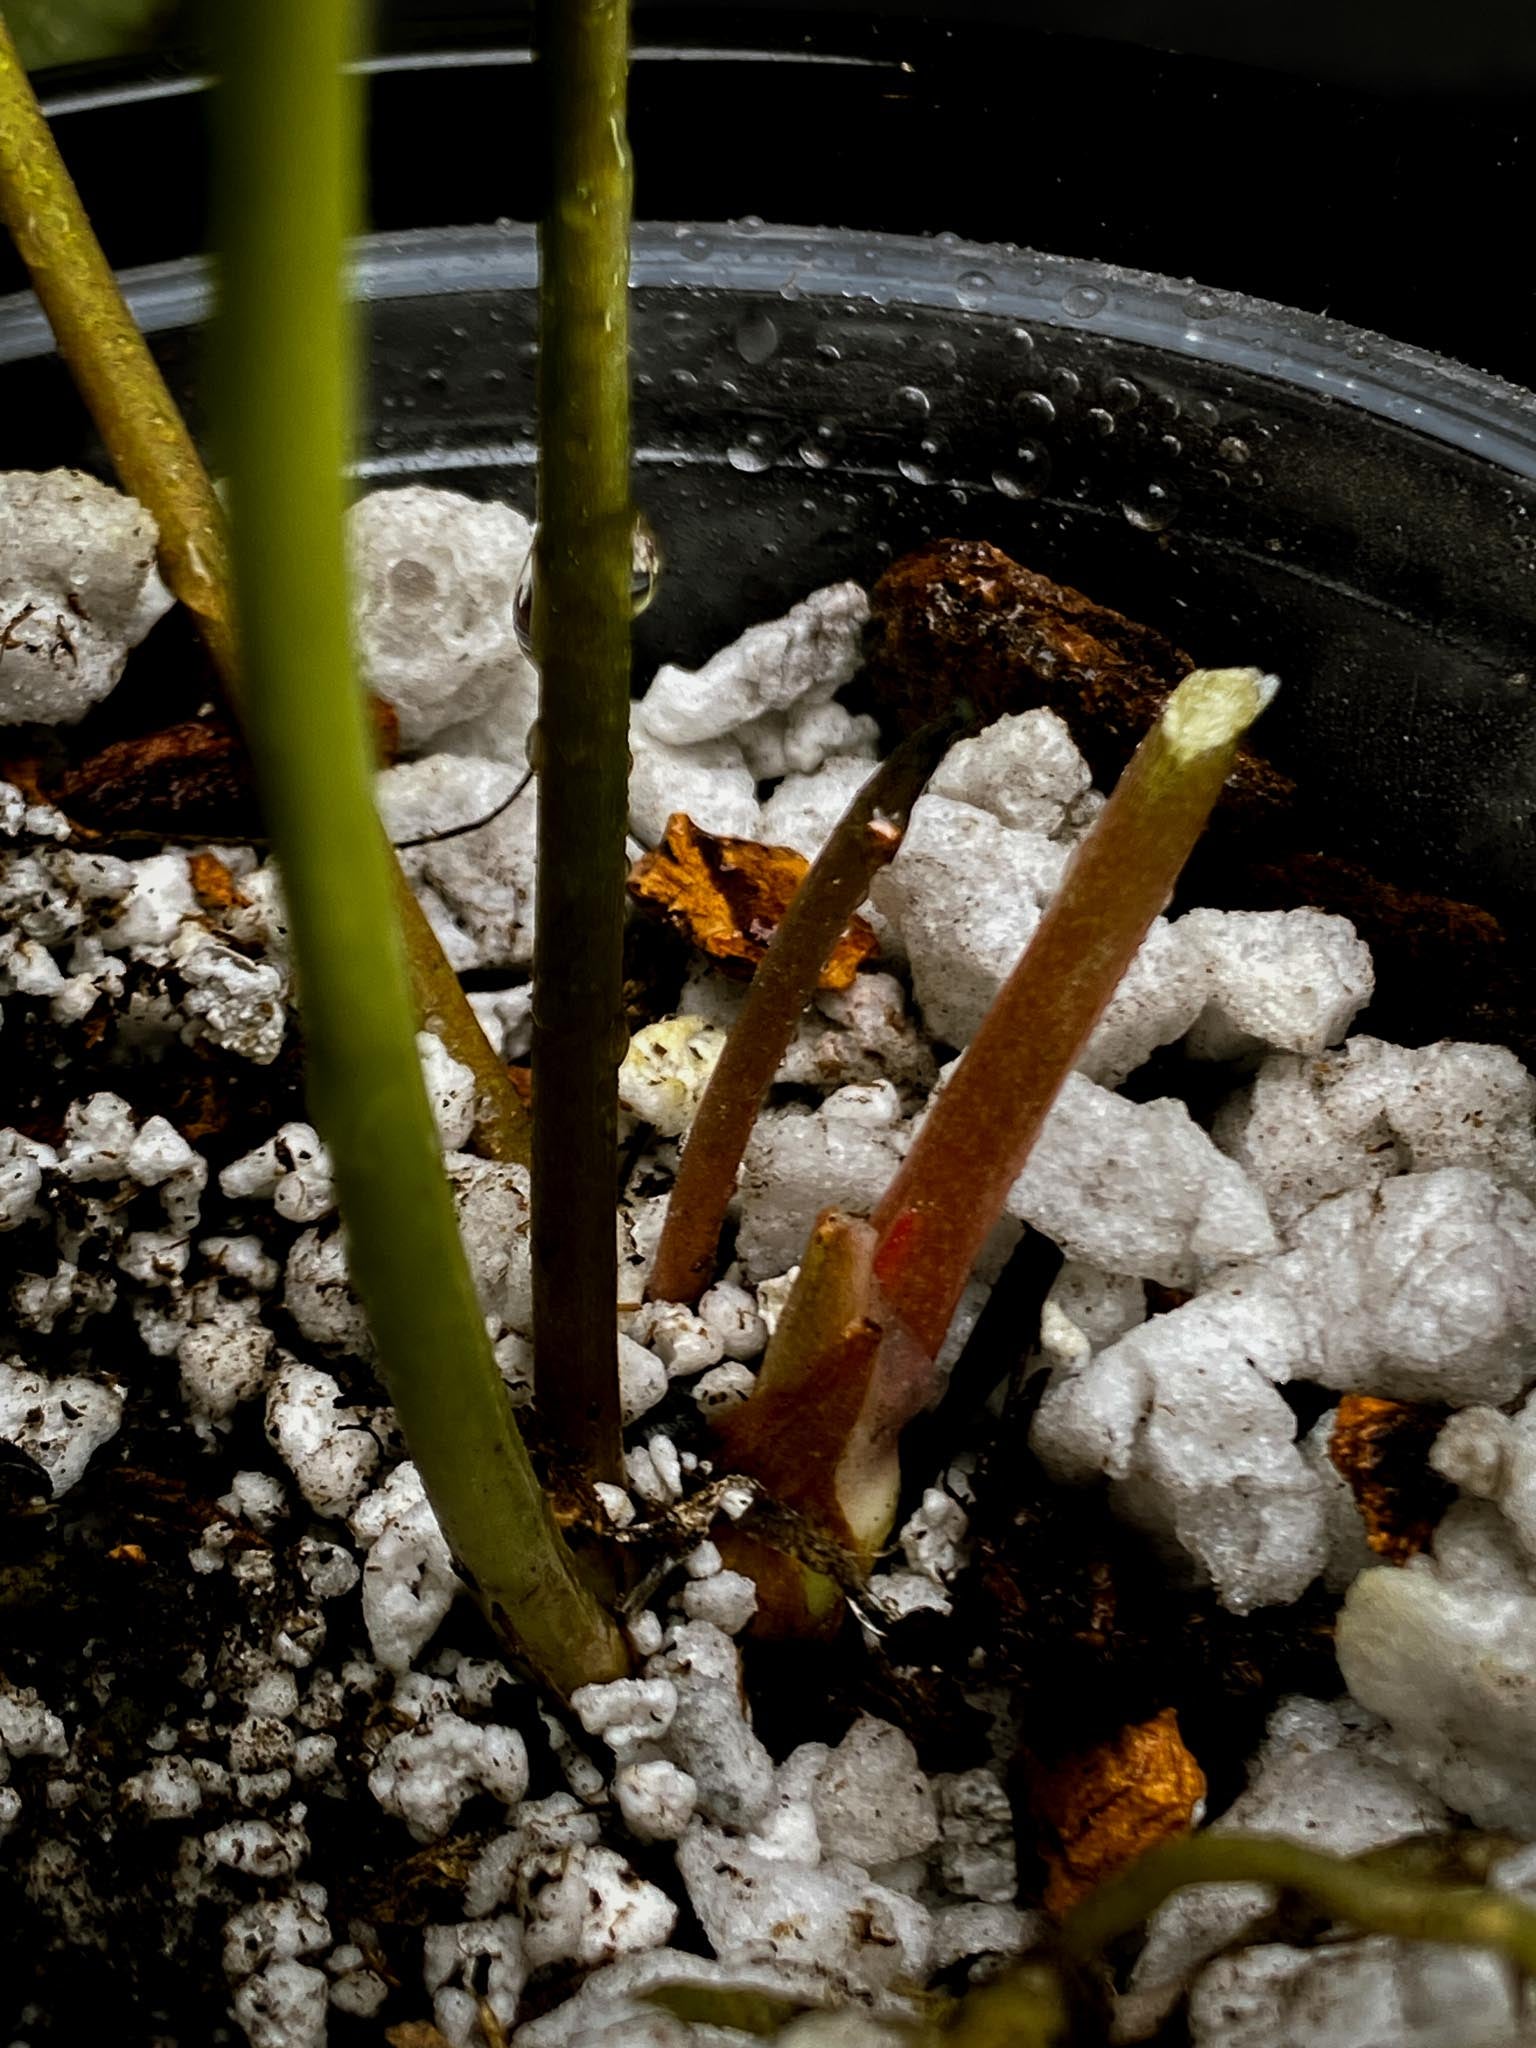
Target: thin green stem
(866, 836)
(289, 199)
(1359, 1890)
(157, 461)
(582, 624)
(138, 420)
(950, 1189)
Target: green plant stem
(866, 836)
(135, 414)
(289, 156)
(950, 1189)
(157, 461)
(582, 625)
(1357, 1890)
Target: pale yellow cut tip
(1214, 707)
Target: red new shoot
(851, 1362)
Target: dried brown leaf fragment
(1381, 1448)
(1103, 1807)
(726, 896)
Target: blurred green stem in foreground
(288, 192)
(157, 462)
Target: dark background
(1372, 163)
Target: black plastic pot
(1261, 484)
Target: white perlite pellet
(78, 590)
(409, 1582)
(764, 680)
(1442, 1651)
(59, 1423)
(435, 576)
(478, 887)
(1309, 1128)
(427, 1773)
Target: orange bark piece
(726, 896)
(213, 884)
(1382, 1449)
(1104, 1807)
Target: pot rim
(1447, 401)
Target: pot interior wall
(1261, 486)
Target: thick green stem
(289, 136)
(157, 461)
(1361, 1891)
(950, 1189)
(866, 836)
(582, 623)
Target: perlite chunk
(1024, 768)
(78, 590)
(1138, 1188)
(59, 1423)
(1293, 979)
(1309, 1128)
(1444, 1649)
(806, 656)
(478, 886)
(436, 575)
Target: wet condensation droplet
(1022, 340)
(533, 745)
(522, 615)
(1066, 384)
(1027, 475)
(1204, 305)
(1082, 301)
(1034, 408)
(1233, 450)
(819, 449)
(1101, 421)
(645, 566)
(913, 402)
(1121, 395)
(914, 472)
(750, 457)
(645, 562)
(973, 284)
(1153, 509)
(1204, 414)
(946, 353)
(756, 338)
(1170, 444)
